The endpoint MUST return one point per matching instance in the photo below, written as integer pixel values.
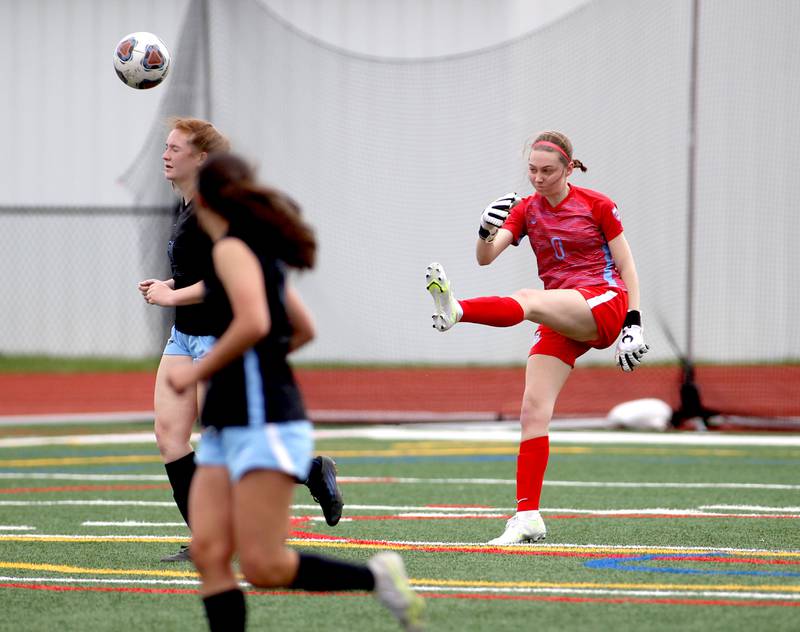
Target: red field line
(484, 597)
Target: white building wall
(342, 123)
(70, 126)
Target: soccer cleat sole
(528, 540)
(439, 288)
(327, 493)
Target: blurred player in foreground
(257, 440)
(188, 145)
(591, 292)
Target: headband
(547, 143)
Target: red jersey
(570, 240)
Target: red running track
(495, 392)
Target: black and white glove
(631, 346)
(495, 215)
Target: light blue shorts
(183, 344)
(285, 447)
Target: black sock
(180, 473)
(226, 611)
(323, 574)
(316, 464)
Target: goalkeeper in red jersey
(590, 296)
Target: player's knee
(528, 299)
(535, 415)
(209, 553)
(264, 570)
(171, 438)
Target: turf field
(643, 535)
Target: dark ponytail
(264, 216)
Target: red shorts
(609, 307)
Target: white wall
(393, 129)
(70, 126)
(418, 28)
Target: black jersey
(258, 387)
(189, 251)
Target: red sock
(531, 464)
(497, 311)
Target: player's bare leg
(545, 376)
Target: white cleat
(393, 590)
(447, 310)
(526, 526)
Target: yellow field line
(9, 537)
(427, 448)
(406, 450)
(79, 570)
(535, 547)
(84, 460)
(60, 568)
(667, 450)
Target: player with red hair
(591, 293)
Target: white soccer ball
(642, 414)
(141, 60)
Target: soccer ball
(141, 60)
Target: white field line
(86, 503)
(103, 580)
(390, 480)
(423, 514)
(419, 510)
(503, 481)
(72, 537)
(504, 511)
(496, 432)
(76, 418)
(99, 439)
(600, 591)
(134, 523)
(753, 508)
(509, 432)
(744, 596)
(16, 527)
(130, 523)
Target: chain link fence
(70, 280)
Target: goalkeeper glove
(495, 215)
(631, 346)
